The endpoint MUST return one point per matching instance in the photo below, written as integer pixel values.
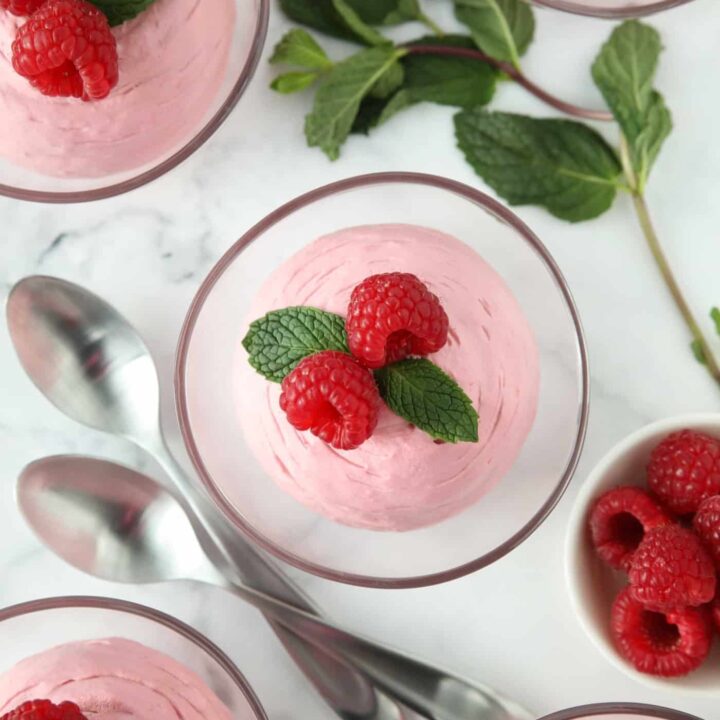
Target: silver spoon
(116, 524)
(93, 366)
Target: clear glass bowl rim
(475, 196)
(650, 711)
(130, 608)
(210, 128)
(572, 6)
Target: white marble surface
(509, 625)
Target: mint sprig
(567, 168)
(278, 341)
(426, 396)
(120, 11)
(624, 72)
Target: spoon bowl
(84, 357)
(129, 530)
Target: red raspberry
(666, 644)
(715, 612)
(706, 524)
(684, 470)
(67, 49)
(671, 569)
(394, 315)
(45, 710)
(24, 8)
(334, 397)
(618, 523)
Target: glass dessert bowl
(611, 8)
(460, 506)
(167, 102)
(620, 711)
(86, 650)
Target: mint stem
(700, 345)
(429, 23)
(512, 72)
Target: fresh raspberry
(334, 397)
(671, 569)
(67, 49)
(23, 8)
(618, 523)
(666, 644)
(706, 524)
(715, 612)
(394, 315)
(45, 710)
(684, 470)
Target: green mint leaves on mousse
(415, 389)
(120, 11)
(278, 341)
(429, 398)
(564, 166)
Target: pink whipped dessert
(173, 59)
(400, 479)
(112, 679)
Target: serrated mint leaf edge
(257, 327)
(382, 378)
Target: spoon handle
(425, 689)
(347, 691)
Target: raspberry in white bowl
(172, 60)
(399, 478)
(107, 679)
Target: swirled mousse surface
(400, 479)
(112, 679)
(173, 59)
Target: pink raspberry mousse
(173, 59)
(400, 479)
(112, 679)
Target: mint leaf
(624, 72)
(318, 14)
(323, 15)
(460, 82)
(293, 82)
(376, 111)
(697, 350)
(278, 341)
(426, 396)
(503, 29)
(715, 316)
(389, 81)
(341, 91)
(299, 48)
(120, 11)
(387, 12)
(562, 165)
(353, 20)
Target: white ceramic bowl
(592, 585)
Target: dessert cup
(591, 584)
(207, 402)
(611, 8)
(620, 711)
(246, 45)
(36, 626)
